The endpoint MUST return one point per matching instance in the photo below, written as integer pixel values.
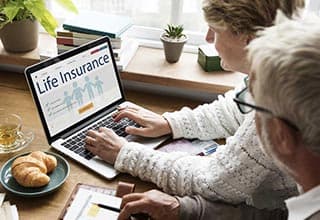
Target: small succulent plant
(173, 40)
(174, 31)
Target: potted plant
(173, 40)
(18, 22)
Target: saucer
(57, 178)
(22, 141)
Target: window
(149, 16)
(313, 6)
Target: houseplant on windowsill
(173, 40)
(18, 22)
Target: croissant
(31, 170)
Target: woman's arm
(219, 119)
(232, 174)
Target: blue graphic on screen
(77, 87)
(67, 100)
(99, 84)
(88, 86)
(77, 93)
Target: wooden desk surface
(185, 74)
(15, 98)
(23, 59)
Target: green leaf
(174, 31)
(30, 9)
(11, 10)
(45, 18)
(68, 4)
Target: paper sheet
(7, 211)
(83, 208)
(2, 195)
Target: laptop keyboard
(76, 143)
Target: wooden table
(15, 98)
(23, 59)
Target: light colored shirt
(305, 205)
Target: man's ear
(283, 137)
(249, 38)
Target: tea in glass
(10, 126)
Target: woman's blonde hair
(246, 16)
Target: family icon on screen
(91, 88)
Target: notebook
(78, 90)
(89, 202)
(76, 204)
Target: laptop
(80, 90)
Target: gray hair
(286, 62)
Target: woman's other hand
(151, 124)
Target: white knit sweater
(238, 171)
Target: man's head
(285, 79)
(233, 23)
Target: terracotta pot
(20, 36)
(172, 48)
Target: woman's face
(231, 49)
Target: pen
(208, 150)
(84, 205)
(140, 216)
(107, 207)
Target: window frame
(150, 36)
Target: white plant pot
(173, 48)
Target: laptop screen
(75, 86)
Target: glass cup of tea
(10, 127)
